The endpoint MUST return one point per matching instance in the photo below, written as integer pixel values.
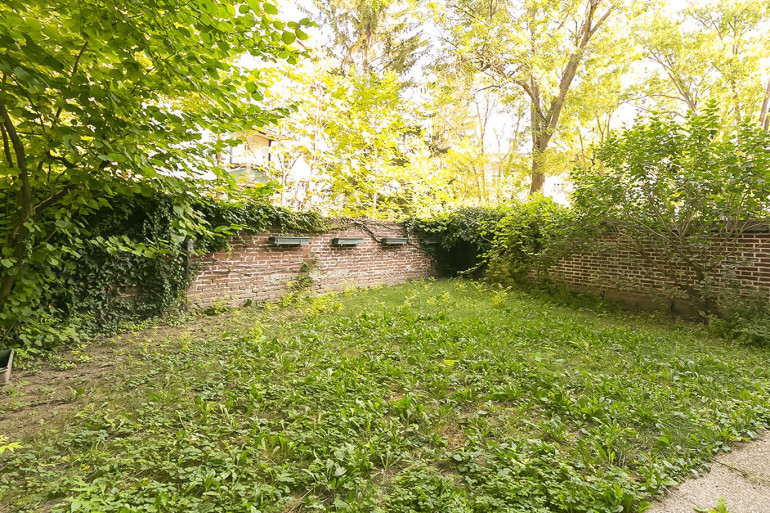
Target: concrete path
(740, 477)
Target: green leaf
(288, 37)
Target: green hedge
(503, 243)
(460, 240)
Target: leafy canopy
(683, 191)
(99, 99)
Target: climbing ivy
(102, 289)
(459, 240)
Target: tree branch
(587, 30)
(53, 198)
(18, 147)
(18, 236)
(6, 146)
(66, 163)
(764, 119)
(74, 70)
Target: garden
(526, 164)
(438, 395)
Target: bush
(680, 195)
(531, 238)
(459, 241)
(743, 318)
(504, 243)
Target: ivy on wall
(101, 291)
(459, 241)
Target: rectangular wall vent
(289, 241)
(342, 242)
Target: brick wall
(621, 274)
(254, 269)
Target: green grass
(438, 396)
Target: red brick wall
(254, 269)
(623, 275)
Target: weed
(432, 396)
(719, 508)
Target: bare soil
(47, 392)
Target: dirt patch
(48, 392)
(454, 435)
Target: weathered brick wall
(624, 275)
(254, 269)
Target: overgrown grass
(439, 396)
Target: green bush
(504, 243)
(459, 241)
(530, 239)
(745, 318)
(680, 195)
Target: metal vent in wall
(288, 241)
(393, 241)
(342, 242)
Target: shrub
(459, 241)
(504, 243)
(746, 318)
(529, 239)
(680, 195)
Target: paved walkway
(740, 477)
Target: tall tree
(713, 51)
(370, 138)
(379, 167)
(300, 153)
(476, 135)
(99, 98)
(372, 36)
(536, 46)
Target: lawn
(431, 396)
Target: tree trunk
(18, 237)
(539, 139)
(538, 177)
(764, 119)
(545, 119)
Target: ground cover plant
(431, 396)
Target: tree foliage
(710, 51)
(379, 165)
(371, 36)
(99, 99)
(680, 195)
(536, 48)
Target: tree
(680, 196)
(475, 136)
(371, 36)
(356, 133)
(99, 99)
(709, 52)
(378, 164)
(535, 46)
(300, 153)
